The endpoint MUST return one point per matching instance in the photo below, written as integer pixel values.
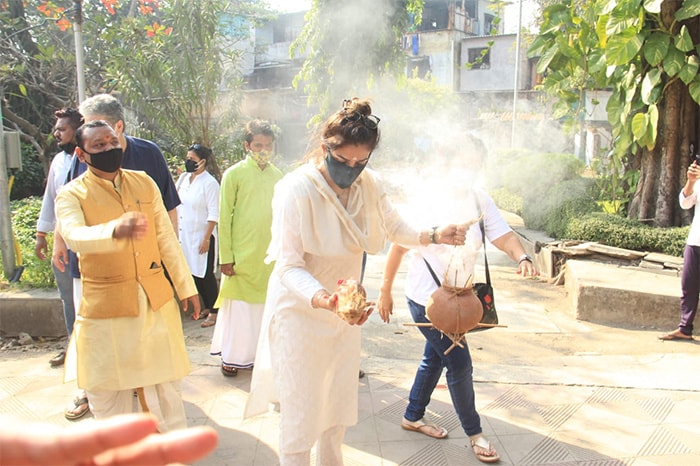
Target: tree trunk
(669, 141)
(663, 169)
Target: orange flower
(110, 5)
(63, 24)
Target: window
(488, 24)
(479, 58)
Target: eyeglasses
(370, 121)
(195, 147)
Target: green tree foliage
(37, 273)
(646, 53)
(37, 72)
(185, 84)
(349, 45)
(168, 62)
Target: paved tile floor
(550, 390)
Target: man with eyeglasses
(139, 154)
(245, 219)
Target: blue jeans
(459, 375)
(64, 283)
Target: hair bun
(356, 105)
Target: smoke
(425, 157)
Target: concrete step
(36, 312)
(630, 296)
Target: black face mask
(340, 173)
(68, 148)
(107, 161)
(190, 166)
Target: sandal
(431, 430)
(229, 371)
(483, 450)
(675, 335)
(80, 408)
(210, 321)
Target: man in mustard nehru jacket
(128, 333)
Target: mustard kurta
(128, 331)
(245, 216)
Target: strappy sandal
(80, 408)
(482, 448)
(229, 371)
(431, 430)
(210, 321)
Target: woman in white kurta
(198, 215)
(325, 215)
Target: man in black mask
(139, 154)
(67, 121)
(128, 333)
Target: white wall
(500, 75)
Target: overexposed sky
(510, 19)
(289, 6)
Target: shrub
(37, 273)
(508, 201)
(617, 231)
(531, 176)
(29, 181)
(566, 200)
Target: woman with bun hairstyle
(326, 214)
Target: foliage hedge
(549, 193)
(626, 233)
(37, 273)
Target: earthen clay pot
(454, 310)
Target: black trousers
(207, 287)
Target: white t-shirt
(58, 172)
(687, 203)
(457, 261)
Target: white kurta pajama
(308, 359)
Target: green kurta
(245, 218)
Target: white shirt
(687, 203)
(200, 205)
(458, 261)
(58, 172)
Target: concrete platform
(610, 294)
(36, 312)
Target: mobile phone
(696, 159)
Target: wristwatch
(524, 257)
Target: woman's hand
(385, 304)
(204, 246)
(527, 269)
(693, 172)
(365, 315)
(452, 234)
